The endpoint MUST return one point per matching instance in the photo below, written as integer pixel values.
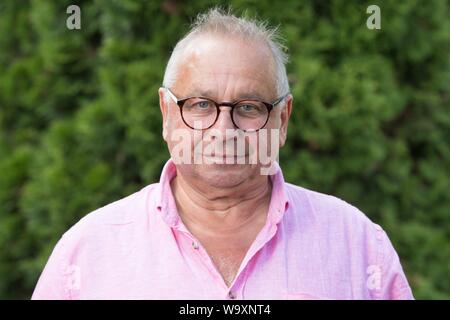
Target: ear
(285, 114)
(163, 106)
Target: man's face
(225, 70)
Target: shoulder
(342, 230)
(123, 212)
(327, 208)
(337, 224)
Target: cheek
(269, 143)
(174, 123)
(176, 129)
(274, 120)
(181, 139)
(174, 118)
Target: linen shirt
(312, 246)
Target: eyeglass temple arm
(175, 99)
(279, 100)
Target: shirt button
(231, 295)
(194, 245)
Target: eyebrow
(250, 95)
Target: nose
(224, 120)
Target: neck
(228, 211)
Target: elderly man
(217, 226)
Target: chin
(224, 175)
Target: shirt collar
(165, 202)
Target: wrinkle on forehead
(209, 62)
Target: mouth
(222, 158)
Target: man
(217, 226)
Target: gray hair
(218, 21)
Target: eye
(251, 108)
(247, 107)
(202, 105)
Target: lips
(231, 155)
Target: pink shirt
(313, 246)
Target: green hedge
(80, 124)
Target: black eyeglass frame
(180, 103)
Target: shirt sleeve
(393, 282)
(51, 283)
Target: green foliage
(80, 124)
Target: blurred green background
(80, 124)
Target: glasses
(200, 113)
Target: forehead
(219, 65)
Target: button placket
(231, 295)
(206, 260)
